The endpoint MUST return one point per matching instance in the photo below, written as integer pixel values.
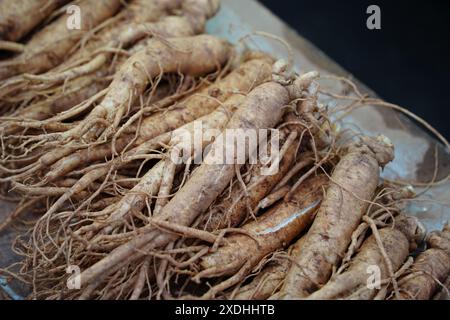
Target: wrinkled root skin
(421, 284)
(49, 46)
(274, 230)
(13, 26)
(431, 267)
(356, 276)
(354, 180)
(265, 283)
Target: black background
(406, 62)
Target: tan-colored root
(242, 203)
(429, 271)
(444, 293)
(243, 79)
(140, 281)
(149, 185)
(139, 196)
(22, 206)
(49, 46)
(440, 239)
(12, 24)
(266, 283)
(100, 172)
(353, 183)
(67, 162)
(244, 200)
(361, 100)
(166, 185)
(384, 207)
(195, 13)
(11, 46)
(268, 114)
(136, 12)
(84, 156)
(146, 235)
(426, 276)
(131, 80)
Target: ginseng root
(272, 231)
(262, 108)
(49, 46)
(14, 25)
(354, 281)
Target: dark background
(406, 62)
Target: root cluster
(89, 143)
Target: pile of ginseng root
(91, 120)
